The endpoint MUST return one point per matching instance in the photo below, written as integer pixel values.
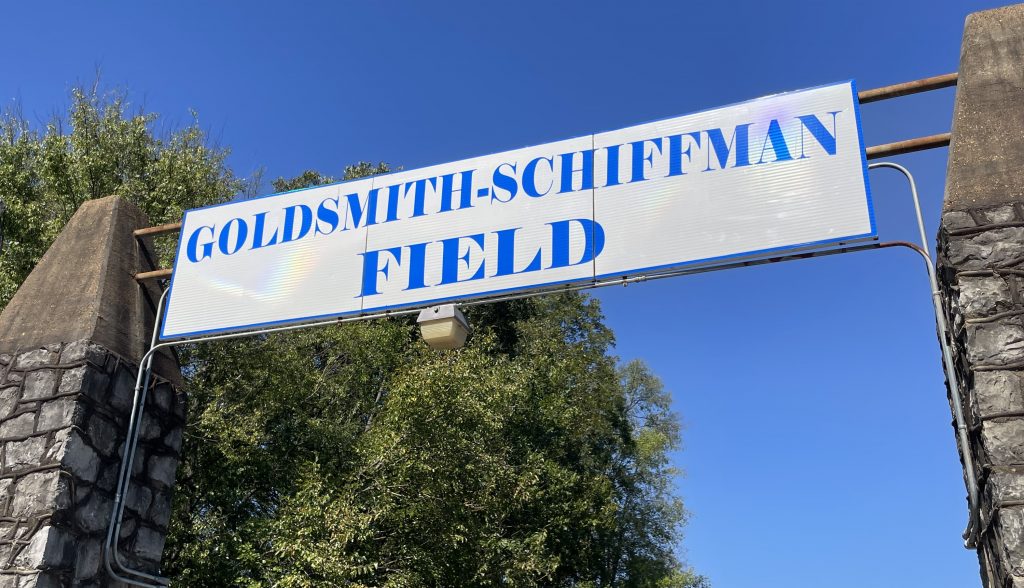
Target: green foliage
(355, 455)
(99, 149)
(311, 177)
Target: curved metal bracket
(971, 533)
(111, 556)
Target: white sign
(752, 179)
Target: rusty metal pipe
(153, 275)
(908, 146)
(158, 230)
(908, 88)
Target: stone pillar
(981, 268)
(70, 342)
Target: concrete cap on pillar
(84, 288)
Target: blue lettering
(676, 152)
(359, 211)
(257, 232)
(393, 194)
(506, 182)
(417, 266)
(826, 139)
(450, 259)
(465, 191)
(639, 158)
(613, 165)
(225, 236)
(593, 242)
(305, 222)
(740, 138)
(529, 177)
(372, 268)
(586, 172)
(778, 141)
(507, 253)
(326, 215)
(420, 194)
(193, 244)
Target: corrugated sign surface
(747, 180)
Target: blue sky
(818, 445)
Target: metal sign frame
(111, 557)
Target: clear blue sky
(818, 445)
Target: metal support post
(970, 534)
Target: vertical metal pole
(127, 463)
(970, 534)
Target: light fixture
(443, 327)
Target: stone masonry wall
(64, 411)
(981, 265)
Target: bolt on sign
(742, 181)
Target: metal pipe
(159, 274)
(908, 146)
(134, 436)
(907, 88)
(157, 230)
(127, 462)
(947, 361)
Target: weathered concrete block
(998, 343)
(80, 459)
(83, 350)
(93, 515)
(1003, 441)
(149, 544)
(1009, 525)
(50, 547)
(173, 440)
(88, 559)
(994, 248)
(1005, 485)
(162, 469)
(998, 392)
(957, 219)
(18, 426)
(35, 358)
(40, 493)
(58, 414)
(22, 454)
(139, 499)
(983, 296)
(39, 384)
(103, 435)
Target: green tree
(100, 148)
(354, 455)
